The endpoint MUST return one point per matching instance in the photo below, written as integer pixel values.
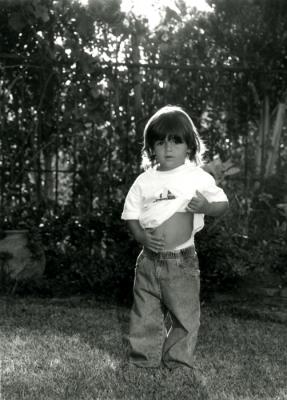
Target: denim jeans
(166, 286)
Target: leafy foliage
(87, 255)
(73, 102)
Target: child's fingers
(193, 201)
(192, 205)
(156, 249)
(156, 246)
(155, 237)
(156, 243)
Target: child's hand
(153, 242)
(198, 204)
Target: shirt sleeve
(211, 191)
(133, 202)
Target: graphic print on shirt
(165, 195)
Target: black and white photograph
(143, 200)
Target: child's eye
(175, 139)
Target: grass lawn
(77, 350)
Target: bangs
(168, 127)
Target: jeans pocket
(190, 265)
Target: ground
(77, 349)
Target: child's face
(170, 152)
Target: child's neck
(164, 169)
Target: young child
(164, 209)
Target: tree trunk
(264, 129)
(48, 176)
(137, 89)
(275, 140)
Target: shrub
(89, 254)
(223, 257)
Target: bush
(223, 257)
(226, 257)
(88, 254)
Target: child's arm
(145, 236)
(200, 205)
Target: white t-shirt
(156, 195)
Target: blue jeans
(166, 286)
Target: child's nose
(168, 144)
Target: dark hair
(172, 121)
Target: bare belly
(176, 230)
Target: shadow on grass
(78, 350)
